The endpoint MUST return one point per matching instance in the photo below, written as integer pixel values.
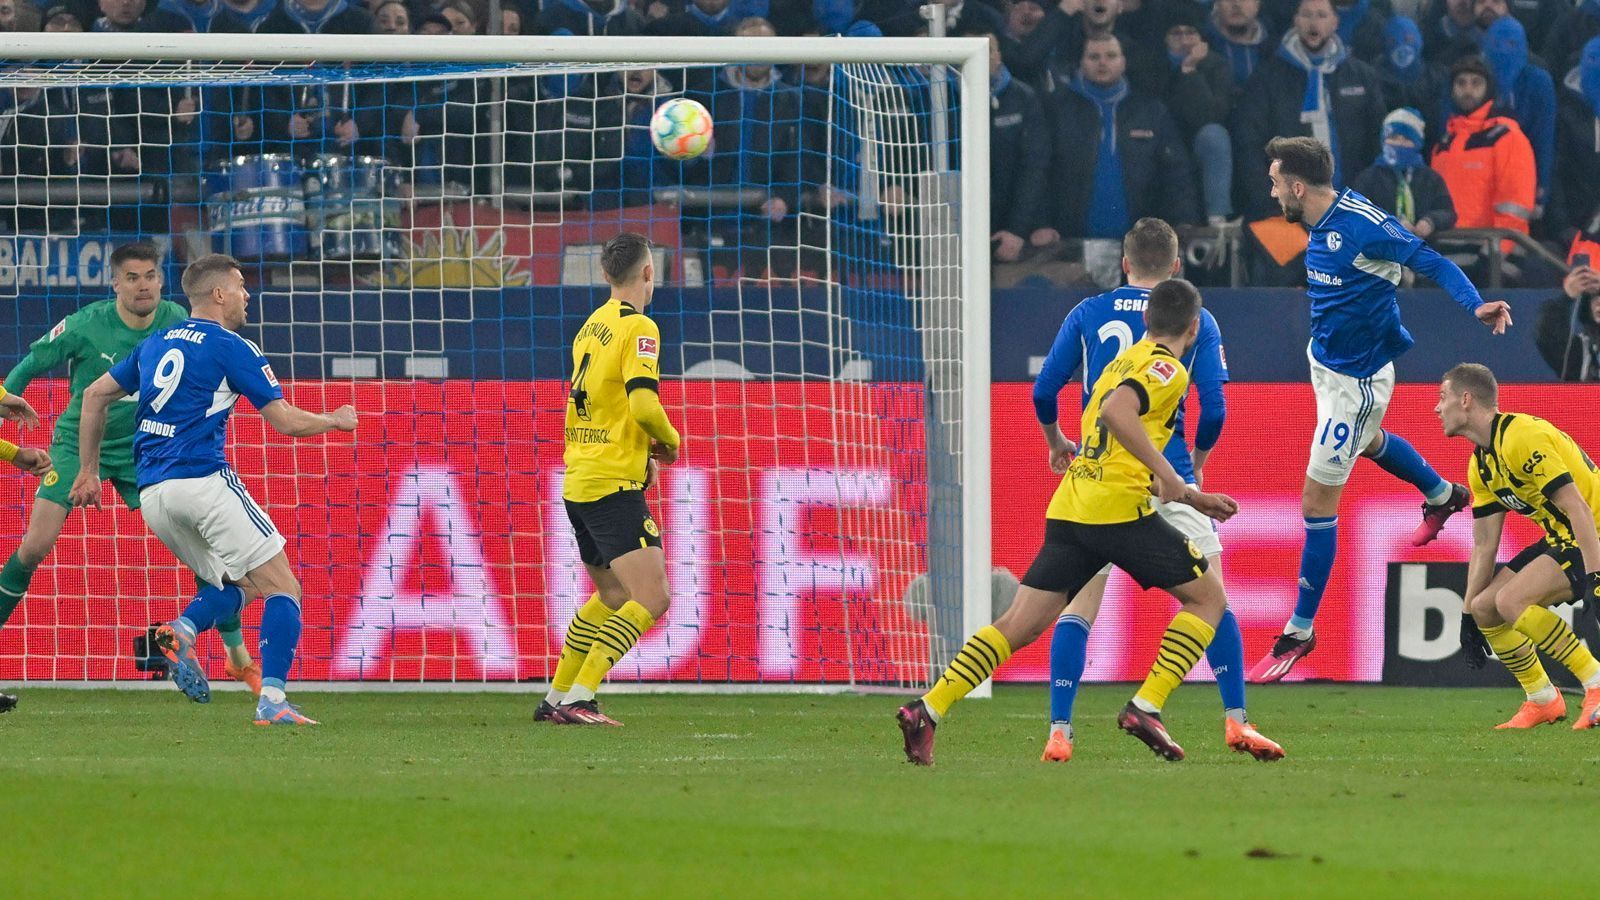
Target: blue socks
(280, 635)
(1069, 650)
(1397, 457)
(1226, 656)
(213, 605)
(1316, 561)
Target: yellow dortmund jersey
(1106, 483)
(617, 349)
(1528, 460)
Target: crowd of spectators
(1448, 113)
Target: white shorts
(1194, 524)
(1349, 415)
(211, 525)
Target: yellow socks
(1181, 647)
(581, 632)
(1516, 651)
(1554, 638)
(982, 654)
(615, 638)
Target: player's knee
(613, 596)
(1021, 625)
(1511, 605)
(1483, 608)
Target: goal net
(419, 221)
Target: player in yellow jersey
(616, 432)
(1102, 513)
(34, 462)
(1525, 465)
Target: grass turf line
(1386, 792)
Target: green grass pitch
(1386, 792)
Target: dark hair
(1173, 305)
(144, 251)
(622, 256)
(1304, 158)
(197, 277)
(1151, 247)
(1477, 380)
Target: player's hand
(1580, 281)
(652, 471)
(16, 409)
(667, 455)
(344, 418)
(34, 462)
(1216, 506)
(1496, 314)
(1474, 646)
(85, 489)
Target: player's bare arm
(1120, 412)
(1486, 535)
(14, 408)
(292, 421)
(97, 398)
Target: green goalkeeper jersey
(89, 341)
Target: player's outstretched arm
(16, 409)
(1427, 261)
(292, 421)
(97, 398)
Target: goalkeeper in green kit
(88, 342)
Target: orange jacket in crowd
(1487, 163)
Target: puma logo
(108, 357)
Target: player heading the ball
(616, 432)
(188, 379)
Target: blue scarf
(1589, 74)
(1243, 56)
(999, 82)
(1316, 107)
(312, 22)
(1402, 42)
(1108, 201)
(1350, 19)
(198, 17)
(723, 22)
(1505, 47)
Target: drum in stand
(255, 209)
(351, 205)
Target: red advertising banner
(432, 544)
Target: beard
(1292, 213)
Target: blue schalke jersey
(188, 378)
(1353, 264)
(1098, 330)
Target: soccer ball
(681, 129)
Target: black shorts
(1150, 550)
(1568, 556)
(611, 526)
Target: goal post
(419, 218)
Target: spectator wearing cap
(699, 18)
(1310, 87)
(1034, 39)
(1197, 87)
(1568, 332)
(1238, 34)
(1402, 184)
(1409, 78)
(1564, 44)
(1118, 154)
(1485, 159)
(1018, 180)
(589, 17)
(62, 18)
(1526, 91)
(1575, 194)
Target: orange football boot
(1591, 704)
(1242, 737)
(250, 675)
(1058, 748)
(1532, 715)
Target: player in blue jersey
(1353, 262)
(1094, 333)
(188, 378)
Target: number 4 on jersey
(580, 394)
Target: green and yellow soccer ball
(681, 129)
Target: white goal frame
(968, 56)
